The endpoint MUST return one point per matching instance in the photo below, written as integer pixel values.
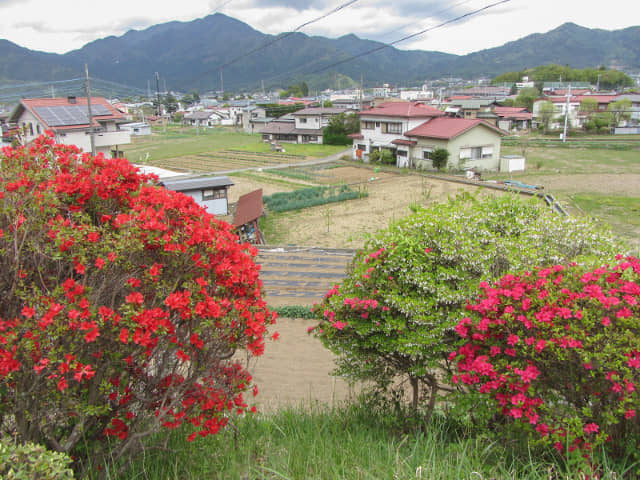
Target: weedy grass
(347, 442)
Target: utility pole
(361, 91)
(221, 82)
(158, 92)
(148, 90)
(91, 132)
(566, 115)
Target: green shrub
(293, 311)
(32, 462)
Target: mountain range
(215, 51)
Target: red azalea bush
(122, 305)
(558, 350)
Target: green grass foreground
(348, 442)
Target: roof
(319, 111)
(356, 136)
(448, 127)
(402, 109)
(249, 208)
(197, 183)
(472, 103)
(514, 113)
(278, 128)
(67, 113)
(401, 141)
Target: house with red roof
(413, 131)
(68, 119)
(512, 118)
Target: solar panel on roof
(66, 115)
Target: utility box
(512, 163)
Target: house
(471, 108)
(136, 128)
(68, 119)
(471, 143)
(412, 131)
(512, 118)
(253, 118)
(307, 125)
(381, 125)
(209, 192)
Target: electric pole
(566, 116)
(221, 82)
(158, 92)
(91, 132)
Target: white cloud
(64, 25)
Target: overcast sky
(63, 25)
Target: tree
(526, 97)
(620, 111)
(546, 112)
(170, 103)
(122, 306)
(439, 158)
(392, 318)
(335, 132)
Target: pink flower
(629, 414)
(591, 428)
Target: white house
(136, 128)
(381, 125)
(412, 131)
(209, 192)
(68, 119)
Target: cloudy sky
(63, 25)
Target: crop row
(310, 197)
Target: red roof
(516, 113)
(249, 208)
(356, 136)
(402, 109)
(32, 103)
(448, 127)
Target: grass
(570, 161)
(620, 211)
(178, 142)
(345, 442)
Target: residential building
(512, 118)
(68, 119)
(209, 192)
(307, 125)
(412, 131)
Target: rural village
(383, 219)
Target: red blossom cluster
(122, 303)
(559, 349)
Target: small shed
(246, 220)
(209, 192)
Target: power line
(280, 37)
(421, 32)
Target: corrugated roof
(402, 109)
(282, 128)
(448, 127)
(197, 183)
(250, 208)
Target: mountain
(189, 55)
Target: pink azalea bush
(122, 305)
(558, 350)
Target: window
(367, 125)
(214, 194)
(303, 120)
(401, 153)
(361, 147)
(377, 124)
(426, 154)
(391, 128)
(476, 153)
(38, 128)
(487, 152)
